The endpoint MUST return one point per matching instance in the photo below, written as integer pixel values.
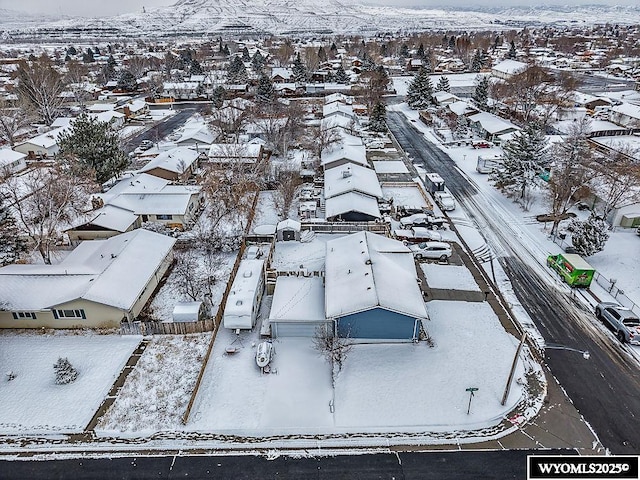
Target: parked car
(445, 201)
(621, 320)
(146, 144)
(416, 235)
(422, 220)
(434, 250)
(481, 144)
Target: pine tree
(299, 70)
(322, 55)
(443, 85)
(481, 92)
(237, 72)
(591, 236)
(72, 50)
(88, 56)
(95, 146)
(12, 243)
(195, 68)
(257, 62)
(420, 91)
(404, 51)
(64, 371)
(245, 55)
(377, 119)
(341, 76)
(265, 93)
(420, 53)
(524, 156)
(226, 51)
(512, 51)
(109, 70)
(127, 82)
(333, 49)
(476, 62)
(218, 96)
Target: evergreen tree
(341, 76)
(322, 55)
(299, 70)
(333, 49)
(512, 51)
(245, 55)
(72, 50)
(443, 85)
(452, 42)
(88, 56)
(237, 72)
(127, 82)
(476, 62)
(377, 119)
(420, 53)
(420, 91)
(109, 69)
(226, 51)
(96, 50)
(64, 371)
(497, 42)
(404, 50)
(265, 93)
(67, 58)
(218, 96)
(481, 92)
(368, 65)
(195, 68)
(524, 156)
(12, 243)
(257, 62)
(93, 145)
(591, 236)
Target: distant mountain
(196, 18)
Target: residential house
(343, 154)
(491, 126)
(12, 161)
(297, 309)
(363, 274)
(222, 154)
(281, 75)
(44, 145)
(626, 115)
(507, 69)
(176, 164)
(182, 90)
(98, 285)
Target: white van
(445, 201)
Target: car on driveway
(416, 235)
(422, 220)
(433, 250)
(624, 323)
(445, 201)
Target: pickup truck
(621, 320)
(422, 220)
(417, 235)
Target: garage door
(291, 329)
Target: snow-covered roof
(627, 109)
(338, 121)
(461, 108)
(186, 311)
(337, 108)
(510, 67)
(196, 131)
(617, 142)
(351, 178)
(365, 270)
(353, 153)
(48, 139)
(298, 299)
(289, 224)
(139, 183)
(112, 272)
(108, 116)
(8, 156)
(112, 218)
(352, 202)
(173, 200)
(338, 97)
(243, 289)
(442, 97)
(176, 160)
(285, 73)
(235, 150)
(101, 107)
(492, 123)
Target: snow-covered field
(33, 403)
(382, 388)
(157, 391)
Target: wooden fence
(346, 227)
(166, 328)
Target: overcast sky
(97, 8)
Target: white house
(342, 154)
(508, 68)
(351, 178)
(12, 161)
(175, 164)
(41, 146)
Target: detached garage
(297, 309)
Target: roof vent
(346, 173)
(238, 303)
(247, 274)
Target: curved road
(606, 388)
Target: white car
(433, 250)
(445, 201)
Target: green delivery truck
(572, 268)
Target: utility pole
(513, 369)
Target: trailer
(572, 268)
(243, 302)
(433, 182)
(489, 163)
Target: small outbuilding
(189, 312)
(288, 230)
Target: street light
(585, 353)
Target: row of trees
(420, 90)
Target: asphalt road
(596, 83)
(605, 388)
(501, 465)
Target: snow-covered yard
(33, 403)
(157, 391)
(451, 277)
(382, 387)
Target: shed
(288, 230)
(188, 312)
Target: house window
(18, 315)
(164, 217)
(69, 314)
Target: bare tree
(288, 179)
(228, 120)
(327, 137)
(571, 172)
(12, 120)
(527, 89)
(40, 85)
(189, 278)
(619, 178)
(333, 348)
(44, 201)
